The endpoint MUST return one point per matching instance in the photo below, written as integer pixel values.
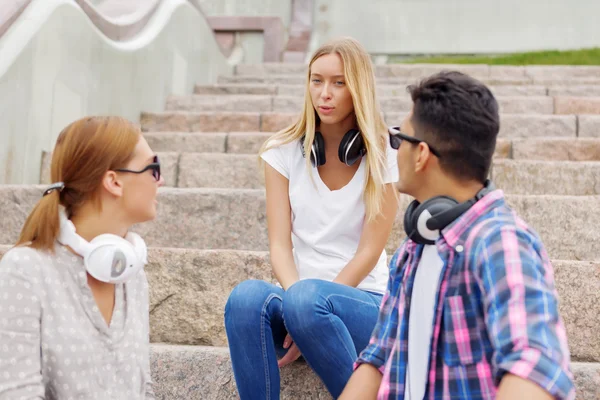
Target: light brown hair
(84, 151)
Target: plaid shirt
(497, 311)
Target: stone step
(588, 126)
(194, 372)
(235, 219)
(491, 81)
(574, 178)
(221, 170)
(576, 105)
(543, 149)
(199, 372)
(511, 125)
(387, 90)
(417, 71)
(398, 90)
(558, 149)
(267, 103)
(189, 289)
(216, 142)
(240, 169)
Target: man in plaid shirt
(471, 310)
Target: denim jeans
(329, 322)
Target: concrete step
(491, 81)
(235, 219)
(511, 126)
(175, 368)
(267, 103)
(397, 90)
(543, 149)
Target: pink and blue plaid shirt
(497, 311)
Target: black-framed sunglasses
(396, 138)
(155, 167)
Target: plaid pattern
(497, 311)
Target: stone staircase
(210, 233)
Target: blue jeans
(329, 322)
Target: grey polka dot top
(54, 342)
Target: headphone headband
(108, 258)
(352, 148)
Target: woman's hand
(293, 352)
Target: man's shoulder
(491, 226)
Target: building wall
(459, 26)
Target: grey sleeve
(20, 321)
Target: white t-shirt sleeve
(279, 158)
(391, 173)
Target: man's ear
(424, 156)
(112, 184)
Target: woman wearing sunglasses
(73, 292)
(330, 209)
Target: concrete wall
(53, 72)
(254, 8)
(459, 26)
(120, 10)
(249, 44)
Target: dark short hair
(458, 116)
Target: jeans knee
(247, 300)
(302, 302)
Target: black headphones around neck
(352, 148)
(422, 222)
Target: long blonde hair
(360, 79)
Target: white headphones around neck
(108, 258)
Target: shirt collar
(454, 233)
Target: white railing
(58, 63)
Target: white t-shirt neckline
(327, 224)
(347, 186)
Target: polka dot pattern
(54, 341)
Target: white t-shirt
(327, 225)
(420, 324)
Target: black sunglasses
(396, 138)
(155, 167)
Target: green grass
(571, 57)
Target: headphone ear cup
(413, 221)
(417, 216)
(318, 150)
(352, 147)
(111, 259)
(408, 223)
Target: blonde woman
(330, 208)
(73, 292)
